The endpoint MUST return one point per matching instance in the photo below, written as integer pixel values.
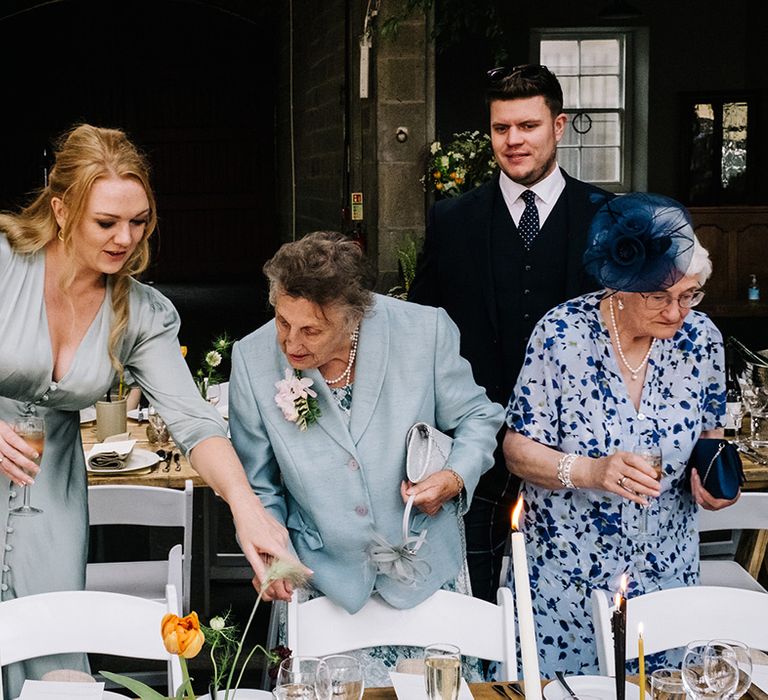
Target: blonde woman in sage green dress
(71, 318)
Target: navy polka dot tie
(529, 221)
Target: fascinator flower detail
(296, 400)
(639, 242)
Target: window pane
(570, 92)
(600, 91)
(600, 164)
(600, 56)
(568, 159)
(605, 131)
(702, 132)
(561, 57)
(734, 156)
(570, 136)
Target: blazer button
(4, 587)
(8, 547)
(361, 511)
(9, 529)
(353, 465)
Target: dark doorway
(192, 82)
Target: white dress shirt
(547, 193)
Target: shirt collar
(547, 189)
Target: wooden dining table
(485, 691)
(161, 475)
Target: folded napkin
(410, 686)
(48, 690)
(110, 455)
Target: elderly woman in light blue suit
(331, 467)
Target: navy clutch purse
(719, 466)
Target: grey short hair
(326, 268)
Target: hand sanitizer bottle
(753, 293)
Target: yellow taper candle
(641, 660)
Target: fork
(561, 677)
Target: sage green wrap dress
(48, 552)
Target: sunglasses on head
(527, 71)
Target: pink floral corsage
(296, 400)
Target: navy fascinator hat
(639, 242)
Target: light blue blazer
(338, 482)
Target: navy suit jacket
(454, 272)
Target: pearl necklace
(352, 353)
(634, 371)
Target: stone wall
(326, 101)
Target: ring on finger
(1, 459)
(620, 482)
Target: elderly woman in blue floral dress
(606, 376)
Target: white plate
(139, 459)
(603, 687)
(241, 694)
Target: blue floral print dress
(570, 395)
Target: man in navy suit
(497, 258)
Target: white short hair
(700, 265)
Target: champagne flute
(347, 682)
(442, 671)
(32, 429)
(303, 678)
(652, 455)
(710, 671)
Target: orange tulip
(182, 635)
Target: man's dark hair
(530, 80)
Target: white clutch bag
(426, 452)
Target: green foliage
(407, 254)
(455, 20)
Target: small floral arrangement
(296, 400)
(209, 373)
(465, 162)
(184, 637)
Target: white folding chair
(750, 512)
(676, 616)
(479, 628)
(144, 505)
(88, 622)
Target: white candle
(527, 629)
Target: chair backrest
(89, 622)
(479, 628)
(750, 512)
(671, 618)
(154, 506)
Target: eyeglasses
(526, 70)
(660, 300)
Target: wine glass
(744, 664)
(303, 678)
(710, 671)
(347, 681)
(32, 429)
(442, 671)
(667, 684)
(651, 453)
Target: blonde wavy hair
(83, 155)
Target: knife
(561, 678)
(753, 454)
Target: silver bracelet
(564, 470)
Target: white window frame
(634, 115)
